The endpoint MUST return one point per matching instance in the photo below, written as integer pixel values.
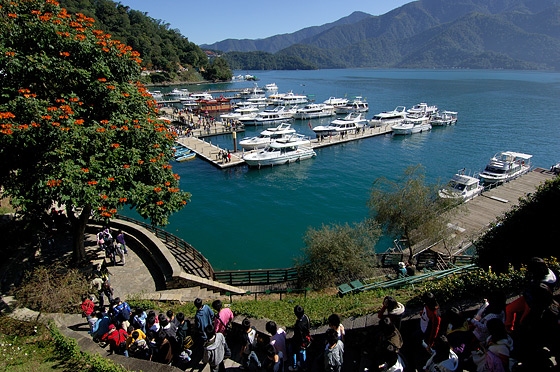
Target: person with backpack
(116, 338)
(334, 352)
(184, 338)
(87, 307)
(249, 358)
(301, 339)
(215, 350)
(121, 313)
(222, 321)
(136, 344)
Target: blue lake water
(243, 218)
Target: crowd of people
(497, 337)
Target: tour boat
(282, 151)
(462, 186)
(388, 117)
(352, 122)
(179, 93)
(444, 118)
(314, 110)
(254, 92)
(272, 116)
(505, 166)
(423, 109)
(267, 136)
(336, 102)
(289, 99)
(191, 101)
(413, 123)
(357, 105)
(156, 94)
(271, 87)
(246, 111)
(258, 101)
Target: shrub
(52, 289)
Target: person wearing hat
(401, 271)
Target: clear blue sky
(208, 21)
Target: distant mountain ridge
(275, 43)
(513, 34)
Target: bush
(52, 289)
(338, 253)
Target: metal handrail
(168, 238)
(254, 277)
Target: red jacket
(115, 338)
(429, 323)
(87, 307)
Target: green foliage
(338, 253)
(527, 230)
(77, 126)
(218, 70)
(266, 61)
(410, 209)
(160, 47)
(69, 350)
(52, 289)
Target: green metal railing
(256, 277)
(199, 260)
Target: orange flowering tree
(76, 128)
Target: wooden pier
(336, 140)
(476, 216)
(210, 153)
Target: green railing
(199, 260)
(256, 277)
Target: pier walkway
(476, 216)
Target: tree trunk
(78, 234)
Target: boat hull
(255, 161)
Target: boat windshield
(494, 170)
(456, 186)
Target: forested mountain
(520, 34)
(160, 47)
(275, 43)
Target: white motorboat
(314, 110)
(179, 93)
(246, 111)
(289, 99)
(282, 151)
(388, 117)
(423, 109)
(267, 136)
(357, 105)
(336, 102)
(505, 166)
(271, 87)
(351, 123)
(462, 186)
(156, 94)
(272, 116)
(413, 123)
(258, 101)
(191, 101)
(443, 118)
(254, 92)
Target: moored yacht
(314, 110)
(246, 111)
(336, 102)
(289, 99)
(282, 151)
(267, 136)
(505, 166)
(462, 186)
(271, 87)
(413, 123)
(422, 109)
(273, 116)
(352, 122)
(388, 117)
(443, 118)
(357, 105)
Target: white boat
(289, 99)
(422, 109)
(271, 87)
(156, 94)
(413, 123)
(273, 116)
(283, 151)
(314, 110)
(505, 166)
(267, 136)
(258, 101)
(191, 101)
(336, 102)
(388, 117)
(352, 122)
(254, 92)
(357, 105)
(179, 93)
(241, 112)
(443, 118)
(462, 186)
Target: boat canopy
(517, 155)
